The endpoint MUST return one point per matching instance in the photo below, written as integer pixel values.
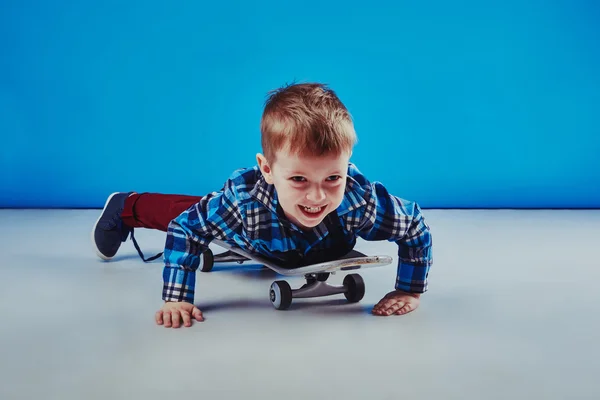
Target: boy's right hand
(173, 312)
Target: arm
(188, 236)
(387, 217)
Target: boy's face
(308, 188)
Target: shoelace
(114, 221)
(227, 256)
(140, 251)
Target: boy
(304, 202)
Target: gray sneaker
(109, 231)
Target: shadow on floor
(316, 305)
(126, 257)
(250, 269)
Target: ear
(265, 168)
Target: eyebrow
(336, 172)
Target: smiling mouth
(312, 211)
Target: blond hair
(306, 119)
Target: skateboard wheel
(280, 295)
(208, 260)
(355, 288)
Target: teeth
(312, 209)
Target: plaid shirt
(245, 213)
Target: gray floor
(512, 312)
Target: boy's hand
(173, 312)
(397, 302)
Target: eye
(297, 178)
(333, 178)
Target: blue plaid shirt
(245, 213)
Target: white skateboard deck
(347, 263)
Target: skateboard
(281, 294)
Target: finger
(175, 318)
(198, 314)
(406, 309)
(384, 304)
(394, 307)
(186, 318)
(167, 318)
(378, 310)
(159, 317)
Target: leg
(154, 210)
(125, 211)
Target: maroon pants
(155, 210)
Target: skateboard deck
(352, 261)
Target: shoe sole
(98, 253)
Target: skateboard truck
(281, 294)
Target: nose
(316, 195)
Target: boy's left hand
(397, 302)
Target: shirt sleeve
(387, 217)
(215, 216)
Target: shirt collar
(354, 197)
(266, 194)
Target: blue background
(471, 104)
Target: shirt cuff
(178, 285)
(412, 278)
